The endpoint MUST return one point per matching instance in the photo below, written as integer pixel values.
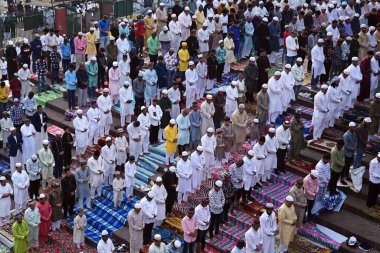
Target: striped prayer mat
(303, 109)
(311, 232)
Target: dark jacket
(56, 147)
(36, 121)
(13, 146)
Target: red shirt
(15, 86)
(139, 30)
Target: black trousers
(281, 155)
(147, 233)
(333, 181)
(68, 205)
(249, 97)
(140, 45)
(172, 196)
(34, 188)
(310, 204)
(153, 137)
(219, 72)
(347, 164)
(238, 194)
(373, 192)
(226, 210)
(153, 58)
(138, 103)
(201, 238)
(214, 224)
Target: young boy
(55, 59)
(80, 223)
(129, 172)
(118, 185)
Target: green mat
(44, 97)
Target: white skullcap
(241, 106)
(234, 83)
(162, 4)
(172, 121)
(137, 205)
(251, 153)
(173, 16)
(42, 196)
(217, 16)
(18, 165)
(157, 237)
(305, 5)
(368, 120)
(252, 58)
(96, 22)
(172, 169)
(261, 2)
(114, 64)
(184, 153)
(177, 244)
(80, 34)
(126, 83)
(344, 3)
(220, 41)
(324, 86)
(352, 124)
(324, 24)
(165, 91)
(200, 148)
(120, 130)
(334, 2)
(272, 130)
(331, 6)
(314, 173)
(26, 41)
(377, 95)
(143, 107)
(25, 65)
(289, 198)
(265, 19)
(34, 157)
(323, 7)
(299, 59)
(108, 138)
(104, 232)
(378, 155)
(346, 71)
(187, 8)
(12, 129)
(149, 11)
(358, 2)
(341, 18)
(221, 89)
(165, 28)
(269, 205)
(93, 58)
(329, 34)
(58, 133)
(205, 24)
(219, 183)
(191, 63)
(16, 100)
(210, 130)
(45, 142)
(288, 66)
(79, 111)
(10, 43)
(2, 178)
(265, 86)
(112, 38)
(277, 73)
(209, 96)
(93, 29)
(150, 194)
(320, 41)
(355, 59)
(371, 28)
(106, 90)
(356, 15)
(346, 17)
(363, 26)
(159, 179)
(256, 120)
(275, 18)
(210, 15)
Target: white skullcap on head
(143, 107)
(210, 130)
(159, 179)
(324, 86)
(371, 28)
(272, 130)
(173, 16)
(26, 40)
(150, 194)
(45, 142)
(377, 95)
(157, 237)
(10, 43)
(165, 28)
(356, 15)
(200, 148)
(288, 66)
(323, 24)
(93, 58)
(378, 155)
(256, 120)
(209, 96)
(334, 2)
(114, 64)
(329, 34)
(165, 91)
(261, 2)
(172, 169)
(323, 7)
(108, 139)
(275, 18)
(25, 65)
(344, 3)
(269, 205)
(345, 17)
(58, 133)
(42, 196)
(106, 90)
(112, 38)
(265, 19)
(341, 18)
(251, 153)
(2, 178)
(331, 6)
(219, 183)
(210, 15)
(289, 198)
(234, 83)
(299, 59)
(314, 173)
(220, 41)
(352, 124)
(195, 17)
(93, 29)
(184, 153)
(177, 244)
(363, 26)
(162, 4)
(277, 73)
(149, 11)
(187, 8)
(137, 205)
(217, 16)
(18, 165)
(305, 5)
(320, 40)
(16, 100)
(191, 63)
(79, 111)
(242, 106)
(355, 59)
(358, 1)
(120, 130)
(221, 89)
(104, 232)
(126, 83)
(346, 71)
(96, 22)
(252, 58)
(368, 120)
(172, 121)
(265, 86)
(12, 129)
(34, 157)
(205, 24)
(80, 34)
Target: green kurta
(297, 141)
(374, 113)
(92, 71)
(165, 104)
(20, 233)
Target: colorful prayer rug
(332, 134)
(311, 232)
(324, 145)
(305, 166)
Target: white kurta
(375, 68)
(269, 226)
(129, 173)
(175, 30)
(197, 163)
(109, 157)
(288, 93)
(20, 183)
(334, 99)
(260, 158)
(318, 58)
(356, 77)
(183, 126)
(320, 119)
(135, 140)
(5, 203)
(149, 209)
(249, 173)
(207, 112)
(126, 99)
(184, 172)
(124, 69)
(105, 247)
(93, 118)
(122, 47)
(203, 37)
(81, 131)
(185, 23)
(29, 143)
(275, 96)
(271, 145)
(175, 97)
(96, 167)
(121, 145)
(105, 104)
(231, 100)
(209, 145)
(160, 196)
(346, 90)
(253, 239)
(191, 86)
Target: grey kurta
(239, 125)
(136, 225)
(297, 141)
(195, 126)
(299, 203)
(229, 137)
(83, 182)
(262, 109)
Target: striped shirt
(216, 201)
(236, 176)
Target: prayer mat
(209, 249)
(305, 166)
(305, 110)
(332, 134)
(5, 169)
(324, 145)
(302, 245)
(374, 212)
(4, 249)
(254, 208)
(44, 97)
(175, 224)
(311, 232)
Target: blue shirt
(71, 79)
(105, 26)
(29, 105)
(221, 54)
(124, 30)
(66, 50)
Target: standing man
(283, 139)
(184, 172)
(45, 210)
(81, 126)
(104, 26)
(109, 157)
(93, 124)
(311, 187)
(33, 218)
(6, 192)
(254, 238)
(362, 135)
(135, 135)
(262, 115)
(15, 148)
(350, 141)
(57, 148)
(82, 177)
(337, 164)
(126, 105)
(207, 112)
(171, 136)
(190, 230)
(121, 145)
(217, 199)
(251, 78)
(239, 124)
(202, 212)
(155, 115)
(323, 168)
(105, 105)
(28, 140)
(374, 181)
(183, 126)
(47, 164)
(195, 118)
(96, 166)
(231, 99)
(170, 182)
(55, 201)
(269, 227)
(69, 186)
(208, 142)
(197, 164)
(39, 121)
(129, 173)
(21, 183)
(297, 139)
(136, 227)
(318, 59)
(287, 220)
(320, 119)
(149, 208)
(20, 231)
(300, 201)
(160, 195)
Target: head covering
(377, 95)
(324, 86)
(108, 138)
(272, 130)
(187, 8)
(251, 153)
(137, 205)
(299, 59)
(289, 198)
(368, 120)
(220, 41)
(79, 111)
(191, 63)
(106, 90)
(172, 169)
(16, 100)
(159, 179)
(200, 148)
(165, 28)
(219, 183)
(288, 66)
(363, 26)
(117, 172)
(104, 232)
(17, 165)
(165, 91)
(277, 73)
(157, 237)
(114, 64)
(265, 86)
(173, 15)
(265, 19)
(320, 41)
(234, 83)
(210, 130)
(275, 18)
(25, 65)
(45, 142)
(256, 120)
(34, 157)
(177, 244)
(42, 196)
(269, 205)
(150, 194)
(93, 58)
(172, 121)
(329, 34)
(2, 178)
(184, 153)
(143, 107)
(209, 96)
(252, 58)
(112, 38)
(58, 133)
(355, 59)
(10, 43)
(314, 173)
(149, 11)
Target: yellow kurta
(184, 57)
(149, 27)
(170, 134)
(91, 47)
(286, 216)
(200, 19)
(20, 233)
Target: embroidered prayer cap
(172, 169)
(251, 153)
(265, 86)
(368, 120)
(184, 153)
(42, 196)
(106, 90)
(200, 148)
(157, 237)
(210, 130)
(269, 206)
(79, 111)
(314, 173)
(108, 139)
(289, 198)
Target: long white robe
(93, 117)
(109, 157)
(203, 37)
(334, 100)
(6, 125)
(20, 183)
(275, 96)
(149, 209)
(96, 167)
(231, 100)
(346, 89)
(271, 145)
(197, 164)
(375, 68)
(260, 158)
(355, 77)
(125, 69)
(5, 203)
(183, 126)
(207, 111)
(122, 48)
(145, 125)
(160, 195)
(175, 30)
(202, 73)
(105, 247)
(191, 86)
(184, 172)
(29, 143)
(130, 171)
(175, 97)
(318, 58)
(249, 173)
(23, 75)
(185, 23)
(121, 145)
(253, 238)
(320, 119)
(135, 147)
(104, 104)
(288, 92)
(209, 145)
(269, 226)
(80, 125)
(126, 95)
